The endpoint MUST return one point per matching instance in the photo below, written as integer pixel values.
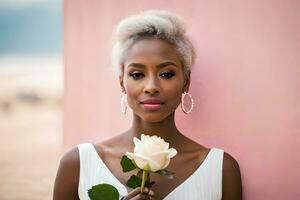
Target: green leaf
(134, 182)
(103, 192)
(164, 172)
(127, 164)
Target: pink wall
(245, 83)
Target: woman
(153, 57)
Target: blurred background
(31, 88)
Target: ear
(121, 76)
(187, 81)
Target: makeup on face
(153, 79)
(152, 104)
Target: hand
(136, 194)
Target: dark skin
(152, 68)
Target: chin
(153, 117)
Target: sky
(31, 27)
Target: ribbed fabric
(204, 184)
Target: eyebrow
(161, 65)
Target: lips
(152, 104)
(152, 101)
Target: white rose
(151, 153)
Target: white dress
(204, 184)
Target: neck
(166, 129)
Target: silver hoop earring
(182, 103)
(123, 104)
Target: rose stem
(143, 179)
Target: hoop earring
(182, 103)
(123, 104)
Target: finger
(145, 190)
(148, 191)
(133, 193)
(137, 195)
(151, 193)
(146, 196)
(141, 197)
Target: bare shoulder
(232, 184)
(67, 177)
(230, 163)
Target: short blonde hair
(152, 24)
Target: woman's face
(153, 79)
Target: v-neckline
(176, 188)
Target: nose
(151, 86)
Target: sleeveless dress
(204, 184)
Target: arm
(232, 184)
(67, 178)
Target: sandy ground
(30, 130)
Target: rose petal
(166, 146)
(166, 163)
(151, 152)
(129, 155)
(165, 152)
(143, 137)
(141, 161)
(172, 152)
(136, 141)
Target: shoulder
(70, 157)
(230, 163)
(67, 177)
(232, 185)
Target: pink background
(245, 83)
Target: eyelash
(170, 74)
(138, 75)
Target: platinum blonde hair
(158, 24)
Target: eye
(136, 75)
(167, 75)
